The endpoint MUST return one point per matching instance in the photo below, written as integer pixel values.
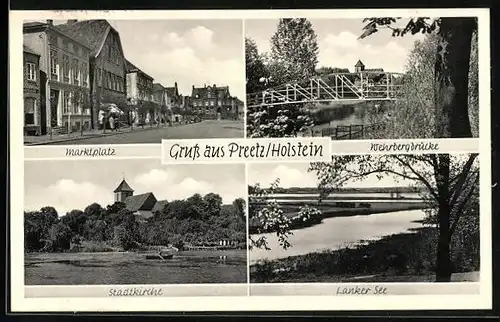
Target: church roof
(123, 186)
(359, 64)
(145, 201)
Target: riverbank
(337, 209)
(405, 257)
(106, 247)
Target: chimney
(50, 22)
(193, 86)
(215, 86)
(72, 21)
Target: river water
(339, 232)
(132, 268)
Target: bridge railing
(328, 88)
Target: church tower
(123, 191)
(359, 67)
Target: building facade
(64, 76)
(210, 102)
(31, 93)
(139, 89)
(107, 63)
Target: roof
(160, 205)
(140, 202)
(61, 29)
(131, 68)
(28, 50)
(89, 32)
(374, 70)
(171, 91)
(359, 63)
(158, 87)
(123, 186)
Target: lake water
(339, 232)
(132, 268)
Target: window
(66, 68)
(212, 103)
(84, 74)
(99, 77)
(66, 102)
(29, 111)
(219, 103)
(76, 102)
(76, 72)
(108, 76)
(30, 71)
(206, 103)
(54, 65)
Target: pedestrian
(111, 122)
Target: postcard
(250, 160)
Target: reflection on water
(338, 232)
(133, 268)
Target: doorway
(54, 102)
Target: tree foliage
(450, 183)
(293, 57)
(267, 216)
(451, 67)
(199, 219)
(294, 48)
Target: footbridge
(336, 87)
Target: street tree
(449, 183)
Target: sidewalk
(75, 136)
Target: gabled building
(64, 76)
(107, 62)
(31, 92)
(212, 101)
(140, 94)
(172, 97)
(144, 205)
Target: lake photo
(362, 219)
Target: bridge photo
(319, 77)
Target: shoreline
(403, 257)
(375, 208)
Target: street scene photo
(373, 78)
(112, 222)
(132, 81)
(373, 218)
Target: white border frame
(19, 303)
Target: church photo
(134, 222)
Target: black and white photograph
(372, 219)
(372, 78)
(132, 81)
(112, 222)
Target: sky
(339, 45)
(68, 185)
(189, 52)
(296, 175)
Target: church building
(144, 205)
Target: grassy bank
(398, 257)
(339, 209)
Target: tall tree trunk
(443, 260)
(452, 77)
